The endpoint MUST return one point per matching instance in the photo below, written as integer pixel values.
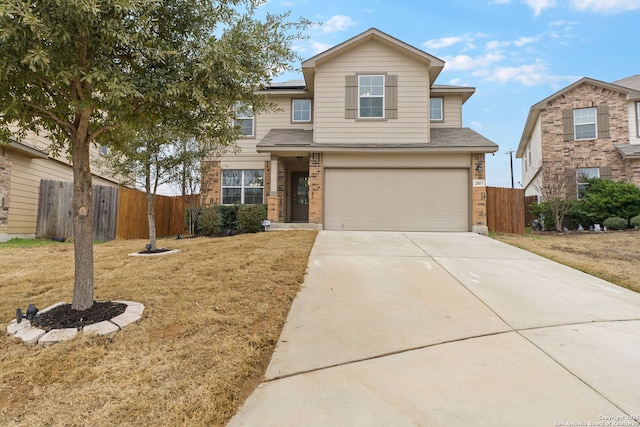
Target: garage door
(397, 199)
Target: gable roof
(632, 82)
(435, 64)
(534, 112)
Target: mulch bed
(64, 316)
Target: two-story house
(589, 129)
(23, 163)
(367, 141)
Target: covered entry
(396, 199)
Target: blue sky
(514, 52)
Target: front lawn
(612, 256)
(213, 315)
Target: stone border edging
(170, 252)
(33, 335)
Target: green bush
(209, 221)
(604, 199)
(250, 217)
(615, 223)
(229, 214)
(635, 221)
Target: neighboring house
(588, 129)
(22, 165)
(367, 141)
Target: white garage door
(397, 199)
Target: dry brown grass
(612, 256)
(213, 315)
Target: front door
(300, 197)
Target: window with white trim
(244, 120)
(370, 96)
(435, 109)
(104, 150)
(301, 110)
(583, 175)
(638, 118)
(584, 123)
(243, 186)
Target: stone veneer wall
(478, 194)
(5, 182)
(211, 184)
(316, 182)
(563, 155)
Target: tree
(558, 190)
(79, 69)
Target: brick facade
(599, 152)
(316, 189)
(479, 193)
(5, 183)
(211, 183)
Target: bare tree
(558, 190)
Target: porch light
(479, 167)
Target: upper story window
(244, 120)
(583, 175)
(638, 118)
(242, 186)
(371, 96)
(104, 150)
(584, 123)
(436, 112)
(301, 110)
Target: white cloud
(337, 23)
(442, 42)
(539, 5)
(525, 40)
(535, 74)
(466, 62)
(317, 47)
(607, 6)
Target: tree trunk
(82, 219)
(151, 217)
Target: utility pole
(510, 153)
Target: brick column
(478, 196)
(275, 201)
(212, 184)
(316, 187)
(5, 182)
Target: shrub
(604, 199)
(615, 223)
(229, 214)
(635, 221)
(250, 217)
(209, 221)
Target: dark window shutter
(603, 121)
(351, 97)
(391, 97)
(605, 173)
(567, 125)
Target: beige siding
(25, 187)
(389, 160)
(633, 123)
(412, 124)
(531, 163)
(452, 113)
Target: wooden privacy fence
(118, 212)
(506, 210)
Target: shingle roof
(629, 151)
(442, 140)
(632, 82)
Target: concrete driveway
(449, 329)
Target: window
(242, 186)
(244, 120)
(584, 123)
(301, 110)
(529, 153)
(371, 96)
(583, 175)
(104, 150)
(435, 109)
(638, 118)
